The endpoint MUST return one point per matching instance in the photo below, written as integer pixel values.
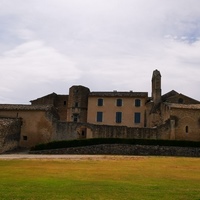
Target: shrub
(96, 141)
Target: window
(186, 129)
(76, 104)
(65, 103)
(180, 100)
(137, 118)
(119, 102)
(82, 133)
(100, 102)
(137, 102)
(25, 137)
(99, 116)
(118, 117)
(75, 117)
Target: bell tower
(156, 87)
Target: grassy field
(115, 178)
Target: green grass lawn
(116, 178)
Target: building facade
(86, 114)
(117, 108)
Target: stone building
(9, 133)
(117, 108)
(37, 122)
(86, 114)
(181, 111)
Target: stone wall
(164, 131)
(65, 131)
(37, 122)
(61, 103)
(124, 149)
(180, 98)
(104, 131)
(46, 100)
(9, 133)
(70, 130)
(187, 126)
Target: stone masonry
(9, 133)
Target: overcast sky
(49, 45)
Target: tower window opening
(83, 133)
(76, 91)
(25, 137)
(186, 129)
(75, 117)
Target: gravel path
(25, 155)
(32, 156)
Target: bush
(96, 141)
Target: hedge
(96, 141)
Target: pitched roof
(173, 94)
(46, 96)
(24, 107)
(119, 94)
(169, 94)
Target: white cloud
(31, 65)
(102, 44)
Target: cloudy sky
(49, 45)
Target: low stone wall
(123, 149)
(106, 131)
(9, 133)
(69, 131)
(65, 131)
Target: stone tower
(156, 87)
(77, 104)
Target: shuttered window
(118, 117)
(100, 102)
(119, 102)
(137, 117)
(137, 102)
(99, 116)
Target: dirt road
(25, 155)
(31, 156)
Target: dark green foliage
(96, 141)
